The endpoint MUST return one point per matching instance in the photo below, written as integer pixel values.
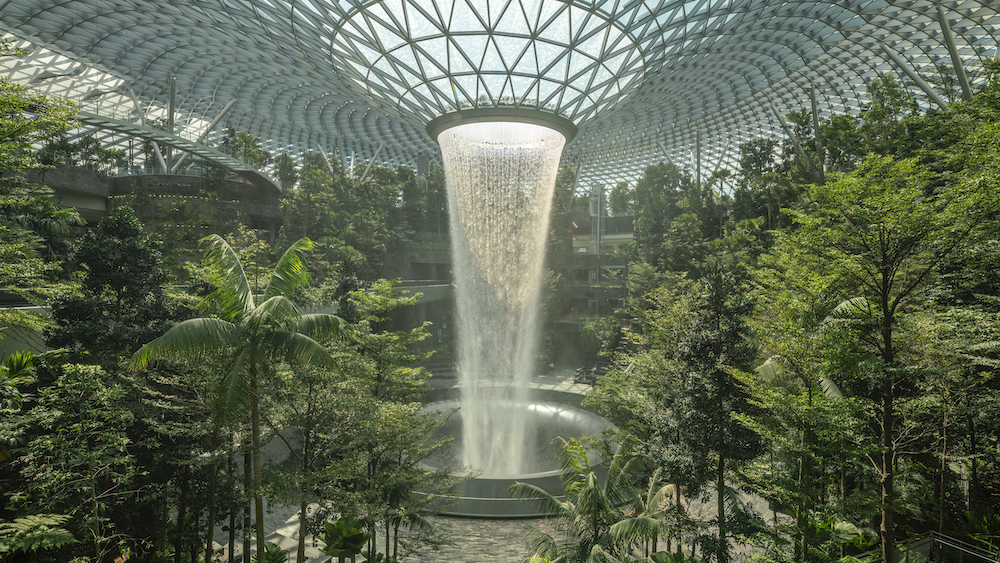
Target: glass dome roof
(641, 79)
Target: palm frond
(774, 372)
(235, 295)
(318, 325)
(277, 310)
(290, 274)
(542, 544)
(855, 308)
(830, 388)
(636, 529)
(298, 349)
(191, 339)
(233, 397)
(623, 477)
(574, 464)
(542, 499)
(599, 555)
(732, 500)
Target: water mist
(500, 180)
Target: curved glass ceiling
(642, 79)
(430, 57)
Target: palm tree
(589, 509)
(651, 515)
(250, 336)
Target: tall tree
(715, 345)
(253, 336)
(880, 233)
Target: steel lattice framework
(644, 80)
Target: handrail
(966, 547)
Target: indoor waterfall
(500, 179)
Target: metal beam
(371, 162)
(795, 139)
(142, 121)
(258, 178)
(956, 61)
(819, 137)
(914, 76)
(325, 159)
(664, 149)
(209, 129)
(170, 116)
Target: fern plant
(272, 554)
(35, 533)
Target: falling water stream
(500, 179)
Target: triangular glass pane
(492, 61)
(457, 63)
(578, 64)
(593, 46)
(377, 12)
(494, 84)
(558, 31)
(547, 91)
(519, 86)
(527, 63)
(429, 66)
(592, 24)
(424, 93)
(463, 18)
(419, 25)
(547, 53)
(577, 17)
(546, 12)
(614, 64)
(386, 36)
(601, 76)
(512, 21)
(394, 11)
(443, 88)
(474, 46)
(368, 54)
(614, 36)
(466, 88)
(510, 48)
(507, 95)
(530, 96)
(436, 49)
(382, 65)
(359, 68)
(405, 56)
(530, 11)
(570, 97)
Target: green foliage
(35, 532)
(82, 464)
(272, 554)
(598, 336)
(26, 118)
(343, 538)
(589, 510)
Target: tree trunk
(300, 554)
(258, 499)
(944, 467)
(888, 454)
(974, 470)
(805, 487)
(213, 474)
(181, 516)
(886, 526)
(722, 555)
